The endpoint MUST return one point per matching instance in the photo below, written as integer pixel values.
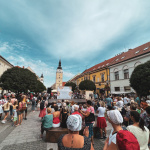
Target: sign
(64, 92)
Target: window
(122, 57)
(146, 48)
(97, 79)
(117, 75)
(137, 52)
(117, 88)
(127, 88)
(102, 77)
(117, 59)
(94, 79)
(126, 74)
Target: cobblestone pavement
(27, 136)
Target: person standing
(109, 101)
(101, 121)
(6, 107)
(33, 103)
(137, 99)
(89, 110)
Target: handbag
(90, 118)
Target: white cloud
(4, 47)
(76, 29)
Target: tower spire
(59, 65)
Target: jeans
(33, 107)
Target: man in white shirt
(125, 100)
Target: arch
(137, 63)
(116, 69)
(125, 67)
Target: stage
(81, 101)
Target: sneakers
(25, 118)
(3, 121)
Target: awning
(121, 92)
(54, 91)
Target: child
(15, 108)
(38, 105)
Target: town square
(74, 75)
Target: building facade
(99, 74)
(4, 65)
(123, 66)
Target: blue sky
(83, 33)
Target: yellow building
(99, 74)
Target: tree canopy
(87, 85)
(73, 85)
(140, 79)
(20, 80)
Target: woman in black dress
(64, 116)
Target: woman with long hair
(89, 110)
(56, 117)
(20, 111)
(140, 131)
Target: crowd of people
(129, 117)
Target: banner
(64, 92)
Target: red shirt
(76, 113)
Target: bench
(53, 134)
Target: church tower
(42, 78)
(59, 75)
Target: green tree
(87, 85)
(73, 85)
(39, 87)
(19, 80)
(140, 79)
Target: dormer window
(137, 52)
(146, 48)
(107, 64)
(122, 57)
(99, 66)
(117, 59)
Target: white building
(4, 65)
(123, 66)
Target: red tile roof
(63, 83)
(99, 66)
(132, 53)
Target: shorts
(6, 111)
(19, 113)
(90, 129)
(15, 119)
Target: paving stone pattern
(27, 136)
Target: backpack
(42, 105)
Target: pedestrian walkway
(27, 136)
